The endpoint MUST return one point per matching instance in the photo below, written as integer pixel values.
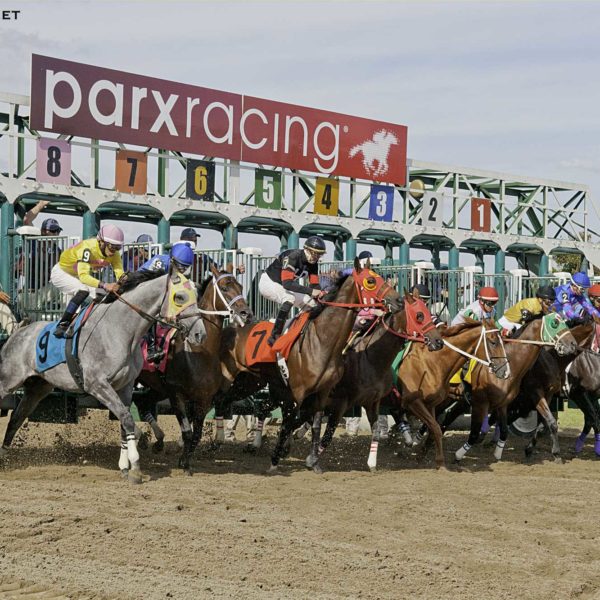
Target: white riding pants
(8, 322)
(274, 291)
(68, 284)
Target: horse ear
(357, 266)
(214, 270)
(229, 267)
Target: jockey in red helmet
(482, 308)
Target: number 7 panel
(131, 172)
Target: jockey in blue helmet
(181, 255)
(571, 300)
(182, 258)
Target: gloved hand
(4, 298)
(317, 293)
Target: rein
(482, 338)
(147, 316)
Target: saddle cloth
(458, 376)
(257, 349)
(51, 351)
(164, 336)
(399, 358)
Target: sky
(504, 86)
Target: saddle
(257, 349)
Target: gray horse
(109, 354)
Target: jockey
(182, 258)
(594, 295)
(181, 255)
(527, 309)
(420, 290)
(571, 301)
(482, 308)
(72, 274)
(279, 282)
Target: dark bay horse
(193, 372)
(109, 354)
(545, 380)
(492, 394)
(367, 374)
(315, 361)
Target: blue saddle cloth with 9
(51, 351)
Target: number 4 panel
(131, 172)
(327, 194)
(53, 161)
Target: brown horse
(491, 393)
(193, 373)
(368, 369)
(315, 362)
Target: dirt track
(72, 528)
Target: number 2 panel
(433, 209)
(53, 161)
(131, 172)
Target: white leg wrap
(498, 450)
(220, 432)
(372, 462)
(132, 451)
(257, 442)
(406, 434)
(123, 458)
(462, 451)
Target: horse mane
(519, 332)
(202, 286)
(329, 296)
(459, 328)
(131, 280)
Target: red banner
(87, 101)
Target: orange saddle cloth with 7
(257, 349)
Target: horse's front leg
(478, 412)
(373, 416)
(544, 410)
(312, 460)
(503, 424)
(289, 419)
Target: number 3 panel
(200, 180)
(381, 206)
(327, 196)
(53, 161)
(131, 172)
(433, 209)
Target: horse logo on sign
(375, 152)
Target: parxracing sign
(83, 100)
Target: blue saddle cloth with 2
(51, 351)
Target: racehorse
(424, 380)
(193, 374)
(545, 380)
(109, 354)
(315, 362)
(367, 369)
(490, 393)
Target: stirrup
(155, 356)
(61, 330)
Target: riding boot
(72, 307)
(284, 311)
(154, 354)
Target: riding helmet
(316, 244)
(144, 238)
(546, 292)
(182, 254)
(581, 279)
(364, 255)
(488, 293)
(423, 290)
(111, 234)
(594, 291)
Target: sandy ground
(71, 528)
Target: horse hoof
(158, 446)
(311, 461)
(373, 469)
(317, 469)
(142, 442)
(3, 452)
(558, 460)
(272, 470)
(124, 473)
(135, 476)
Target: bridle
(553, 339)
(419, 327)
(487, 362)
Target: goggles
(113, 247)
(491, 303)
